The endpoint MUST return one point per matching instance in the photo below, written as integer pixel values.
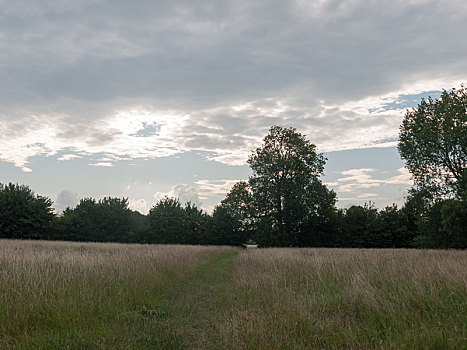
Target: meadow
(117, 296)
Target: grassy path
(186, 317)
(123, 307)
(60, 295)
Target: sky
(146, 99)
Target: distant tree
(444, 225)
(360, 227)
(286, 189)
(23, 214)
(225, 228)
(139, 231)
(433, 142)
(394, 228)
(318, 225)
(166, 222)
(197, 226)
(233, 218)
(106, 220)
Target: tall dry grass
(85, 295)
(116, 296)
(348, 298)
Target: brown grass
(116, 296)
(349, 298)
(55, 294)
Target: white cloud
(101, 164)
(183, 192)
(358, 179)
(140, 205)
(203, 190)
(226, 134)
(68, 157)
(214, 188)
(404, 178)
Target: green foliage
(139, 227)
(23, 214)
(287, 195)
(165, 221)
(170, 223)
(365, 226)
(197, 226)
(360, 226)
(433, 142)
(444, 225)
(106, 220)
(233, 217)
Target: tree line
(284, 202)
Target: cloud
(101, 164)
(202, 190)
(140, 205)
(183, 192)
(404, 178)
(361, 197)
(357, 179)
(68, 157)
(66, 199)
(213, 188)
(157, 79)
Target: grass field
(113, 296)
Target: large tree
(433, 142)
(287, 195)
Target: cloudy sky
(143, 99)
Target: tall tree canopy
(433, 142)
(287, 194)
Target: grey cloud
(102, 137)
(66, 199)
(68, 66)
(198, 53)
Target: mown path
(188, 315)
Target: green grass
(94, 296)
(56, 295)
(355, 299)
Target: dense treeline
(284, 203)
(24, 215)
